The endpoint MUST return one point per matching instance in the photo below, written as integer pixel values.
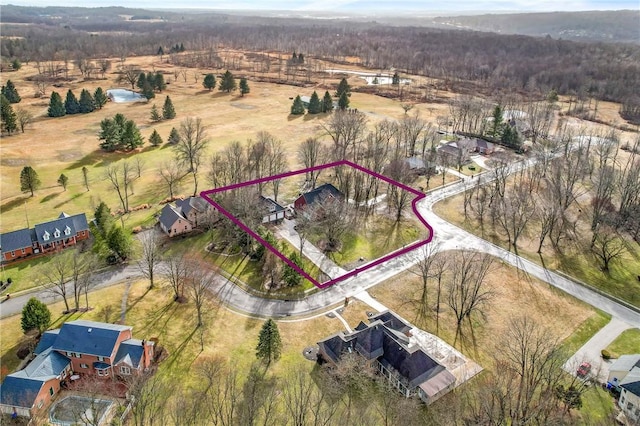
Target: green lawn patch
(626, 343)
(597, 407)
(585, 331)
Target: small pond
(124, 95)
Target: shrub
(9, 280)
(605, 354)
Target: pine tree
(63, 180)
(16, 65)
(158, 82)
(35, 315)
(289, 275)
(87, 104)
(269, 343)
(327, 102)
(147, 91)
(99, 98)
(298, 107)
(142, 81)
(29, 180)
(343, 102)
(228, 82)
(343, 87)
(181, 47)
(155, 114)
(119, 242)
(209, 82)
(131, 137)
(8, 116)
(155, 139)
(160, 51)
(244, 87)
(395, 80)
(10, 92)
(300, 58)
(314, 104)
(294, 58)
(497, 124)
(56, 107)
(71, 104)
(168, 112)
(174, 137)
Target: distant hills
(610, 26)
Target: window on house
(84, 366)
(100, 358)
(51, 392)
(56, 233)
(77, 355)
(69, 354)
(24, 251)
(13, 254)
(41, 403)
(46, 236)
(67, 231)
(103, 373)
(629, 406)
(125, 370)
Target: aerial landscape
(297, 213)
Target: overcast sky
(351, 5)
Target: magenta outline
(354, 272)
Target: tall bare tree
(171, 173)
(121, 178)
(312, 153)
(192, 146)
(151, 254)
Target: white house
(624, 374)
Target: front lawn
(626, 343)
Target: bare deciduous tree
(312, 153)
(151, 254)
(171, 174)
(191, 147)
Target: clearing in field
(207, 195)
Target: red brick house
(316, 195)
(52, 236)
(78, 349)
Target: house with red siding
(52, 236)
(316, 195)
(77, 350)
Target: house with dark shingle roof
(79, 348)
(314, 196)
(386, 342)
(272, 211)
(624, 375)
(186, 215)
(54, 235)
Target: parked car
(584, 369)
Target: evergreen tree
(35, 315)
(155, 114)
(294, 58)
(8, 117)
(244, 87)
(71, 104)
(99, 98)
(16, 65)
(327, 102)
(104, 219)
(155, 139)
(375, 81)
(142, 81)
(227, 83)
(131, 137)
(269, 343)
(119, 242)
(300, 58)
(343, 87)
(174, 137)
(147, 91)
(343, 102)
(395, 80)
(289, 275)
(314, 104)
(158, 82)
(298, 107)
(168, 112)
(497, 124)
(10, 92)
(181, 47)
(63, 180)
(209, 82)
(87, 104)
(29, 180)
(56, 107)
(160, 51)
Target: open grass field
(64, 145)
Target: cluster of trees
(227, 83)
(10, 92)
(118, 133)
(168, 111)
(10, 120)
(316, 105)
(111, 242)
(87, 103)
(150, 83)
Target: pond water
(124, 95)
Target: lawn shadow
(135, 302)
(219, 94)
(10, 205)
(49, 197)
(62, 203)
(178, 351)
(292, 117)
(88, 160)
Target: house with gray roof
(272, 211)
(172, 222)
(624, 375)
(386, 342)
(54, 235)
(78, 349)
(314, 196)
(186, 215)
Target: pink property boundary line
(354, 272)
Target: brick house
(186, 215)
(316, 195)
(52, 236)
(78, 349)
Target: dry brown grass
(514, 295)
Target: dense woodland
(496, 63)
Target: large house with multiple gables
(75, 351)
(386, 342)
(52, 236)
(186, 215)
(316, 195)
